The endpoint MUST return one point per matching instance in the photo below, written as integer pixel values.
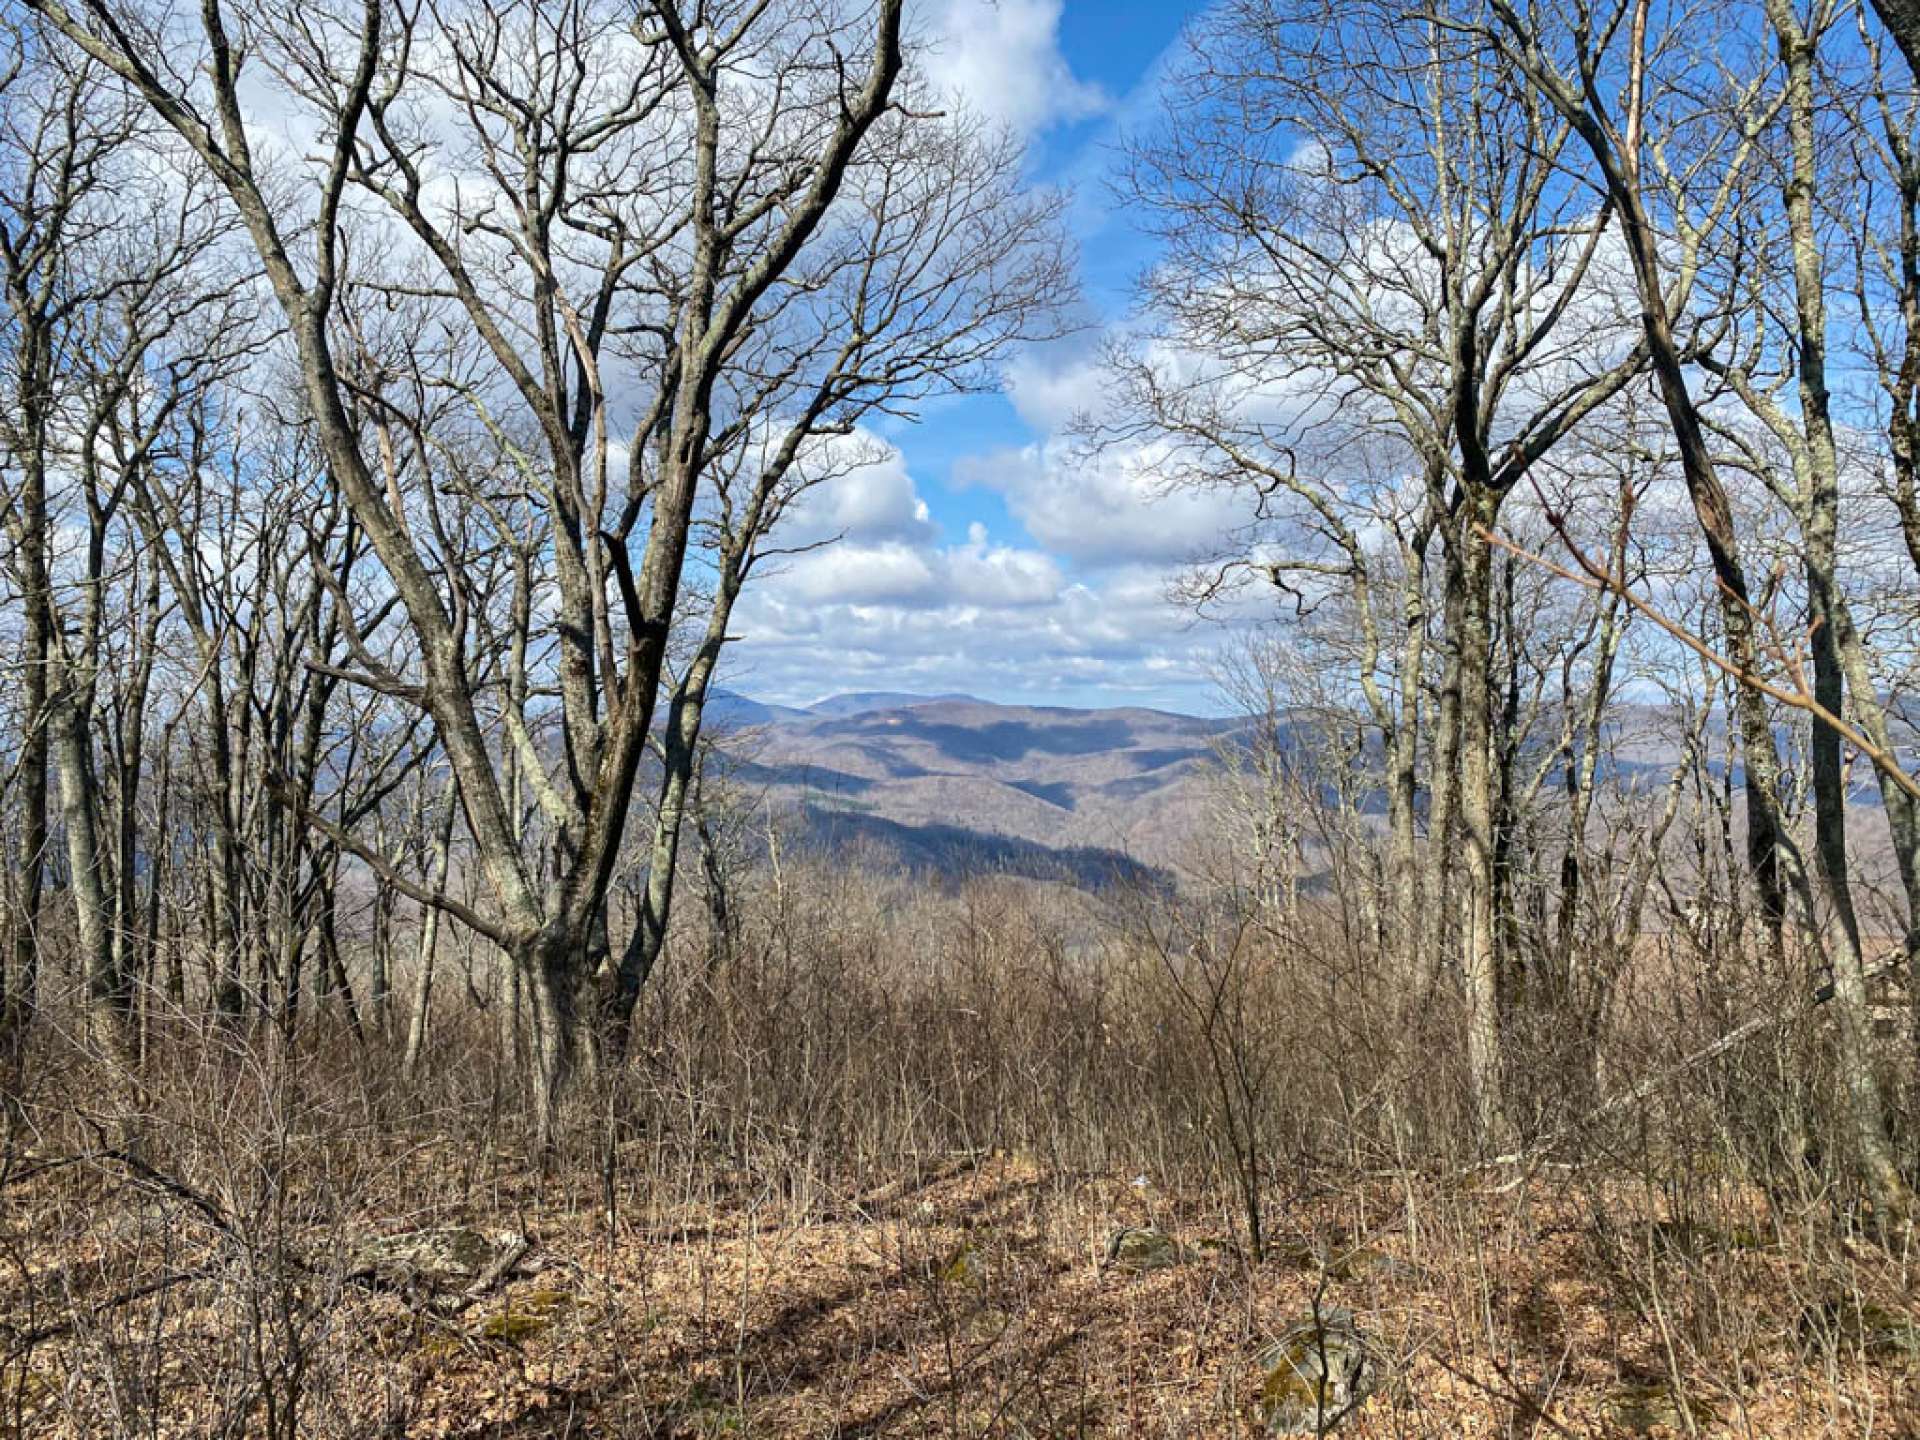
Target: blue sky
(1113, 50)
(987, 556)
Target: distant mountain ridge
(861, 702)
(952, 783)
(730, 707)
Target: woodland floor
(968, 1300)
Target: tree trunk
(1582, 771)
(1902, 19)
(1403, 767)
(1817, 459)
(31, 862)
(228, 994)
(130, 941)
(552, 980)
(86, 881)
(1481, 967)
(429, 939)
(680, 743)
(1443, 785)
(380, 959)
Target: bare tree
(1413, 277)
(1654, 157)
(941, 263)
(110, 336)
(544, 93)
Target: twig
(1597, 578)
(1647, 1087)
(1511, 1393)
(176, 1189)
(25, 1340)
(289, 795)
(504, 1265)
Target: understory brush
(863, 1177)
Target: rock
(1317, 1374)
(1374, 1267)
(1141, 1247)
(1873, 1329)
(1219, 1249)
(449, 1258)
(1299, 1253)
(134, 1223)
(1646, 1405)
(1888, 1336)
(531, 1315)
(962, 1266)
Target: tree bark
(1443, 785)
(429, 942)
(1481, 965)
(30, 863)
(680, 746)
(86, 879)
(1902, 19)
(1817, 459)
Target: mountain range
(951, 784)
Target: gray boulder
(446, 1258)
(1141, 1247)
(1318, 1373)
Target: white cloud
(1002, 59)
(1051, 387)
(896, 572)
(873, 501)
(850, 573)
(1114, 639)
(1106, 508)
(892, 606)
(979, 573)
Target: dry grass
(858, 1180)
(966, 1299)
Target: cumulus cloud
(980, 573)
(896, 572)
(868, 497)
(877, 542)
(1076, 609)
(852, 573)
(1002, 59)
(891, 605)
(1108, 508)
(1113, 639)
(1055, 385)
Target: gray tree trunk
(429, 940)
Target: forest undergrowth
(872, 1178)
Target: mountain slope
(861, 702)
(933, 779)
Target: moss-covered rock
(522, 1319)
(711, 1413)
(962, 1266)
(445, 1258)
(1864, 1325)
(25, 1392)
(1694, 1239)
(1643, 1406)
(1296, 1251)
(1352, 1264)
(1364, 1263)
(1317, 1373)
(1218, 1248)
(1141, 1247)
